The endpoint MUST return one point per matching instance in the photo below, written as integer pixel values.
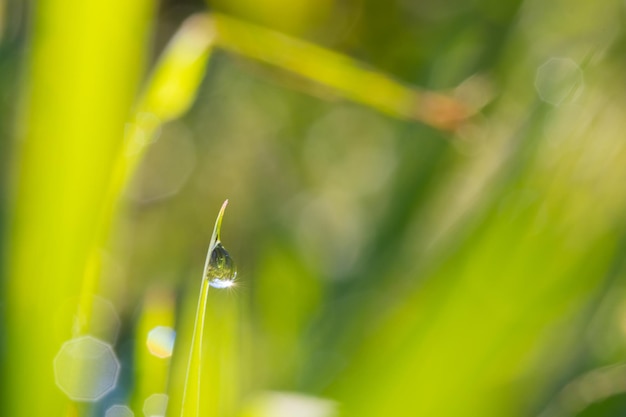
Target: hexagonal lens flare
(86, 369)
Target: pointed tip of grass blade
(218, 221)
(215, 237)
(218, 226)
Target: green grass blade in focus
(190, 405)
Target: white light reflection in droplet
(222, 270)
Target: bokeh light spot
(289, 404)
(166, 166)
(103, 322)
(119, 411)
(155, 405)
(161, 341)
(558, 79)
(86, 368)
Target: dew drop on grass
(222, 270)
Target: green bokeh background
(386, 268)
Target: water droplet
(222, 270)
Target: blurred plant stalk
(152, 368)
(343, 75)
(77, 97)
(169, 93)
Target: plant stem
(191, 390)
(345, 76)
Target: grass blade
(191, 391)
(77, 99)
(348, 77)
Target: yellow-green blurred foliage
(426, 207)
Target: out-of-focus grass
(169, 92)
(472, 327)
(78, 96)
(340, 74)
(151, 373)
